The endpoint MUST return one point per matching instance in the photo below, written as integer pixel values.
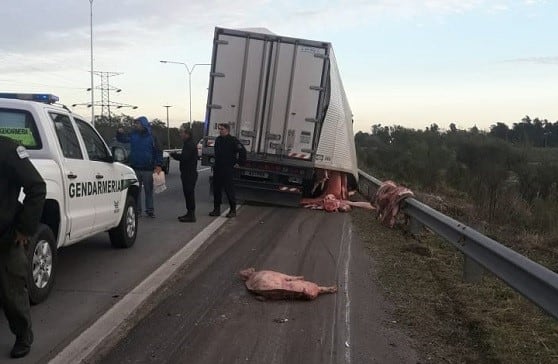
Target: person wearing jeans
(145, 179)
(146, 158)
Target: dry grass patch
(451, 321)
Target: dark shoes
(187, 218)
(218, 213)
(151, 214)
(22, 346)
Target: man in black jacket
(18, 222)
(229, 152)
(188, 173)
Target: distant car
(126, 146)
(200, 148)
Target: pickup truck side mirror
(119, 154)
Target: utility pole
(189, 71)
(105, 88)
(92, 84)
(168, 128)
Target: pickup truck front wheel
(124, 235)
(42, 258)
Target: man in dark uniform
(17, 224)
(229, 152)
(188, 173)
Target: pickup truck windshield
(19, 125)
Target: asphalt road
(92, 276)
(205, 314)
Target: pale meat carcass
(335, 196)
(388, 199)
(279, 286)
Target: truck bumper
(264, 192)
(267, 193)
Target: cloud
(535, 60)
(56, 37)
(499, 8)
(64, 24)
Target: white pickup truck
(88, 190)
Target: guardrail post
(365, 189)
(415, 226)
(472, 271)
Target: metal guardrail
(532, 280)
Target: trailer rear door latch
(270, 136)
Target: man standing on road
(18, 222)
(146, 158)
(188, 173)
(229, 153)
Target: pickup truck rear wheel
(41, 267)
(124, 235)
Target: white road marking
(89, 340)
(204, 169)
(349, 237)
(341, 328)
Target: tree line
(536, 132)
(168, 138)
(509, 173)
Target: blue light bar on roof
(46, 98)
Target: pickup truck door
(109, 197)
(77, 175)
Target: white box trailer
(284, 100)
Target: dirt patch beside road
(451, 321)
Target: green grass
(538, 155)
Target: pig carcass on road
(275, 285)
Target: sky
(402, 62)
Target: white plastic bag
(159, 183)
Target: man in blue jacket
(146, 158)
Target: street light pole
(190, 91)
(92, 85)
(168, 129)
(189, 71)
